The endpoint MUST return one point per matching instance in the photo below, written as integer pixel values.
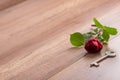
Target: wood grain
(34, 40)
(8, 3)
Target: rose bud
(93, 45)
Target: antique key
(107, 55)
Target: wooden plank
(7, 3)
(34, 35)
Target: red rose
(93, 45)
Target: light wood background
(34, 40)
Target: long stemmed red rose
(94, 39)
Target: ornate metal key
(107, 55)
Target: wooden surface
(8, 3)
(34, 40)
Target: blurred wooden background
(8, 3)
(34, 39)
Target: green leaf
(110, 30)
(77, 39)
(97, 23)
(105, 36)
(87, 35)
